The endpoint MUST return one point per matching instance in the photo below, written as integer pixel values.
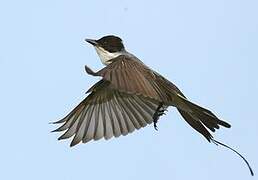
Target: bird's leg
(159, 112)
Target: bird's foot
(155, 125)
(159, 112)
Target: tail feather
(207, 114)
(235, 151)
(197, 125)
(201, 119)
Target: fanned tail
(201, 119)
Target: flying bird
(129, 96)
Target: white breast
(105, 56)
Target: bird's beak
(92, 42)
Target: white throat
(105, 56)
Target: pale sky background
(208, 48)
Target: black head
(109, 43)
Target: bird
(129, 96)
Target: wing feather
(129, 75)
(106, 113)
(107, 122)
(129, 113)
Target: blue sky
(207, 48)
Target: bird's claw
(155, 125)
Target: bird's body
(129, 96)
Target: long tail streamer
(219, 143)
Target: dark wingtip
(90, 71)
(54, 122)
(60, 138)
(73, 143)
(63, 136)
(54, 131)
(57, 122)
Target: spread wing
(127, 98)
(130, 75)
(106, 113)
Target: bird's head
(108, 47)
